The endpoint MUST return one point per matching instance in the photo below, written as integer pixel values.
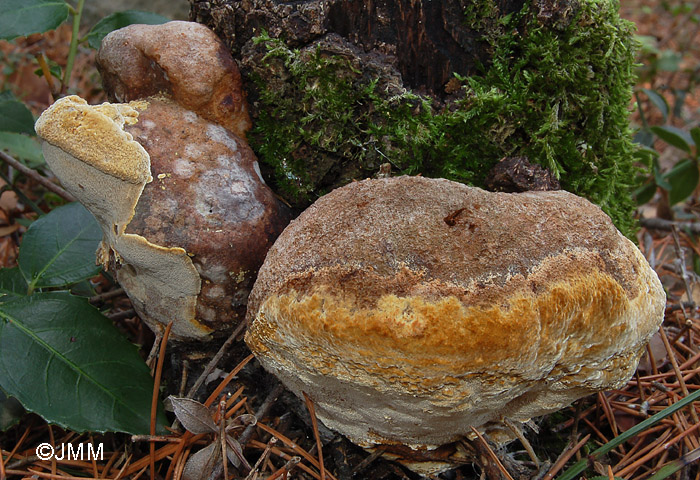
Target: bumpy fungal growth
(186, 215)
(411, 309)
(182, 59)
(186, 218)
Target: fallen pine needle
(564, 457)
(491, 453)
(314, 423)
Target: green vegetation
(558, 94)
(83, 374)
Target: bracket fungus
(412, 309)
(185, 215)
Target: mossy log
(445, 89)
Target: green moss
(558, 94)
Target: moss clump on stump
(556, 90)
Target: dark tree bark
(339, 89)
(426, 41)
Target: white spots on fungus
(215, 272)
(183, 168)
(219, 134)
(190, 117)
(206, 313)
(193, 151)
(239, 185)
(215, 291)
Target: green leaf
(11, 411)
(24, 17)
(119, 20)
(674, 136)
(644, 137)
(54, 70)
(59, 248)
(695, 135)
(12, 283)
(661, 179)
(683, 178)
(61, 358)
(645, 193)
(668, 61)
(658, 100)
(23, 148)
(15, 116)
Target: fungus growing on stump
(186, 216)
(185, 60)
(412, 309)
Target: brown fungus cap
(207, 196)
(184, 213)
(411, 309)
(183, 59)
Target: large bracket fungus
(412, 309)
(187, 219)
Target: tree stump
(339, 88)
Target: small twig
(22, 462)
(25, 199)
(574, 430)
(492, 454)
(681, 305)
(34, 175)
(183, 379)
(73, 48)
(46, 71)
(262, 411)
(116, 316)
(367, 461)
(286, 469)
(564, 457)
(106, 295)
(253, 474)
(607, 411)
(523, 440)
(684, 271)
(215, 360)
(155, 348)
(662, 224)
(155, 438)
(222, 436)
